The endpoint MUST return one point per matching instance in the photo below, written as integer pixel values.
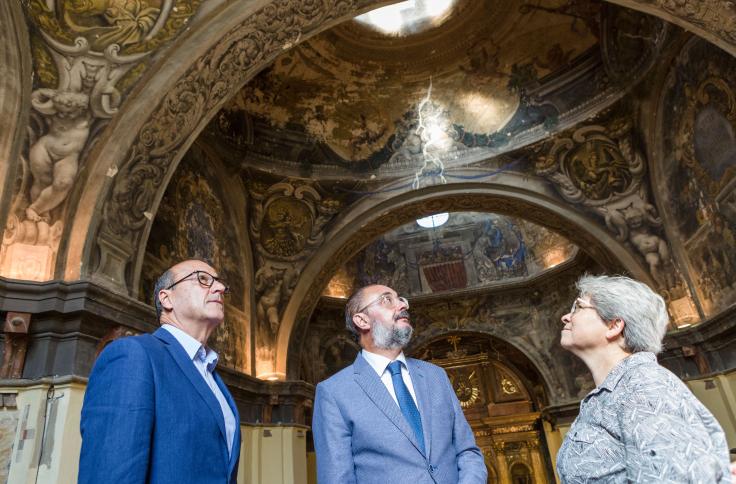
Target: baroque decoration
(699, 169)
(287, 222)
(599, 168)
(83, 51)
(197, 95)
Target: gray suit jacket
(361, 436)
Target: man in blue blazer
(387, 418)
(155, 411)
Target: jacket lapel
(235, 453)
(419, 383)
(374, 388)
(187, 367)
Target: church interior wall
(183, 145)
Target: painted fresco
(700, 168)
(470, 250)
(193, 223)
(354, 91)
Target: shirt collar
(193, 348)
(379, 362)
(623, 367)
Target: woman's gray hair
(643, 311)
(353, 305)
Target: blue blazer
(149, 417)
(361, 436)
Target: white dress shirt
(205, 360)
(380, 364)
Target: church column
(537, 465)
(501, 466)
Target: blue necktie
(406, 403)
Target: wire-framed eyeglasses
(387, 300)
(580, 304)
(205, 279)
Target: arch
(520, 473)
(113, 215)
(15, 95)
(509, 194)
(546, 377)
(709, 19)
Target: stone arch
(509, 194)
(113, 216)
(15, 95)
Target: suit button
(431, 469)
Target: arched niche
(201, 217)
(501, 392)
(510, 194)
(528, 384)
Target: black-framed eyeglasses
(205, 279)
(387, 300)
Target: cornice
(61, 297)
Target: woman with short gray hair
(640, 423)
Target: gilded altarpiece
(499, 407)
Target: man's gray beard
(391, 338)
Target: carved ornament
(196, 96)
(714, 16)
(598, 168)
(83, 50)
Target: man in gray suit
(387, 418)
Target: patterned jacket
(642, 424)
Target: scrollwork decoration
(287, 222)
(197, 95)
(599, 168)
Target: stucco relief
(204, 86)
(83, 50)
(598, 168)
(287, 222)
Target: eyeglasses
(205, 279)
(576, 304)
(387, 300)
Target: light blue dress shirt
(205, 360)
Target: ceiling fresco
(493, 76)
(351, 87)
(470, 250)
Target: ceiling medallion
(406, 18)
